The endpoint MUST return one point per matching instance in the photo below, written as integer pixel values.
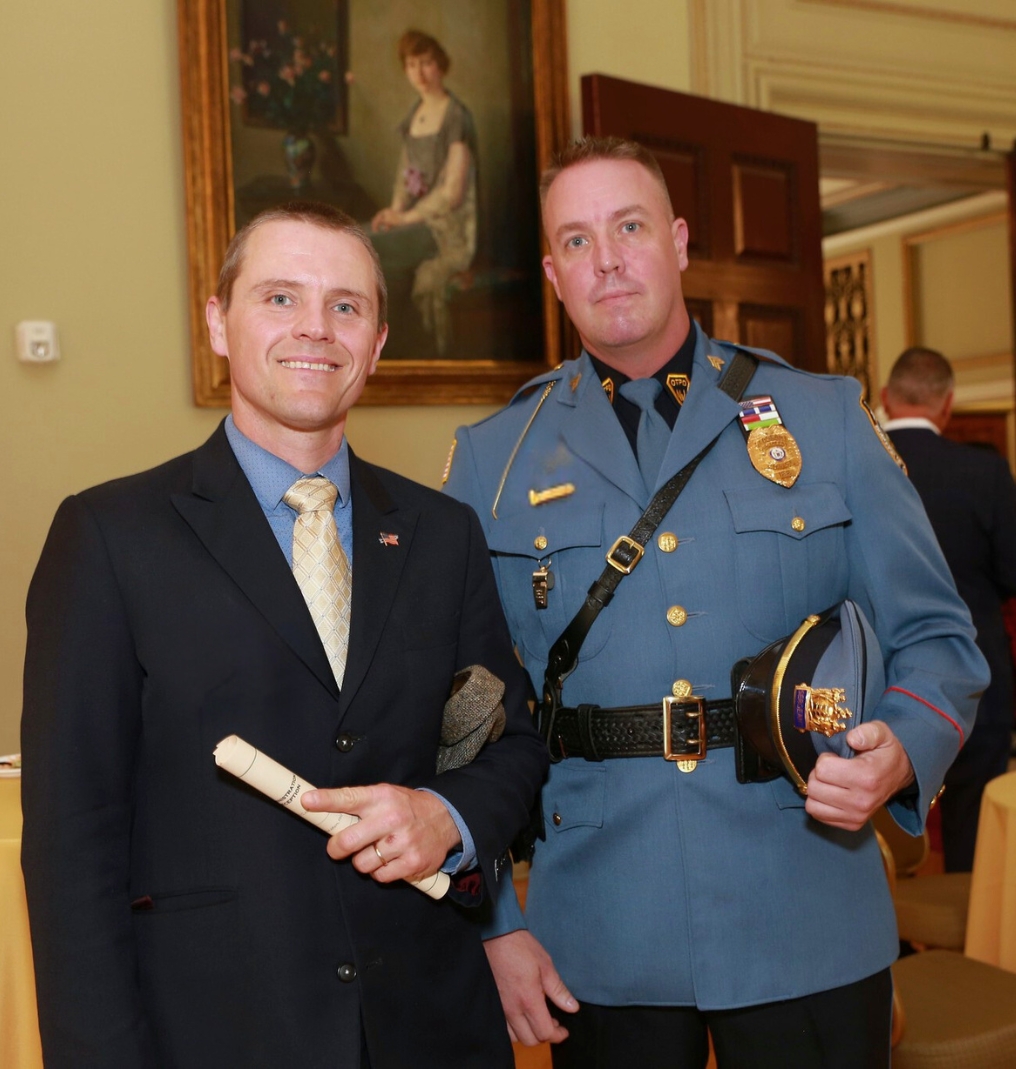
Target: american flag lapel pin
(387, 539)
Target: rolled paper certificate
(278, 783)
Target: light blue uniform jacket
(656, 887)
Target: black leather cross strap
(637, 730)
(622, 559)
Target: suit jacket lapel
(224, 513)
(377, 567)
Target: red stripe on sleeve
(933, 708)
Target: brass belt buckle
(624, 554)
(697, 711)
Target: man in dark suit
(970, 499)
(180, 920)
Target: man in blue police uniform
(668, 896)
(970, 498)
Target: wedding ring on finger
(380, 856)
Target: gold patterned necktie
(321, 567)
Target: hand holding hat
(843, 793)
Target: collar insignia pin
(678, 387)
(387, 539)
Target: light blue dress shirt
(270, 477)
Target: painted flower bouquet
(287, 83)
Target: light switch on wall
(37, 341)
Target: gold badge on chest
(773, 452)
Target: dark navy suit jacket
(970, 499)
(182, 921)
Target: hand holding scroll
(273, 780)
(402, 833)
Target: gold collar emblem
(678, 387)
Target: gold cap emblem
(820, 709)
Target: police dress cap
(800, 695)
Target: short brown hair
(300, 211)
(590, 149)
(920, 377)
(418, 43)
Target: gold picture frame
(210, 211)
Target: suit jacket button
(347, 972)
(344, 743)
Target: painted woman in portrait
(429, 229)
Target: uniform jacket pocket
(789, 553)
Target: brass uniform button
(667, 542)
(676, 615)
(556, 818)
(681, 688)
(797, 523)
(540, 542)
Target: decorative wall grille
(850, 331)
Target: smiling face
(616, 257)
(301, 337)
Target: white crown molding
(960, 12)
(763, 54)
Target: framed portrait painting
(428, 122)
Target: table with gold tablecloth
(991, 920)
(19, 1023)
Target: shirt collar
(271, 476)
(666, 404)
(910, 423)
(679, 364)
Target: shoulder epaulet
(883, 437)
(527, 389)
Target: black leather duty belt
(678, 729)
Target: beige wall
(91, 218)
(957, 287)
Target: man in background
(273, 585)
(969, 495)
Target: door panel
(746, 182)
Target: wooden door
(980, 428)
(746, 182)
